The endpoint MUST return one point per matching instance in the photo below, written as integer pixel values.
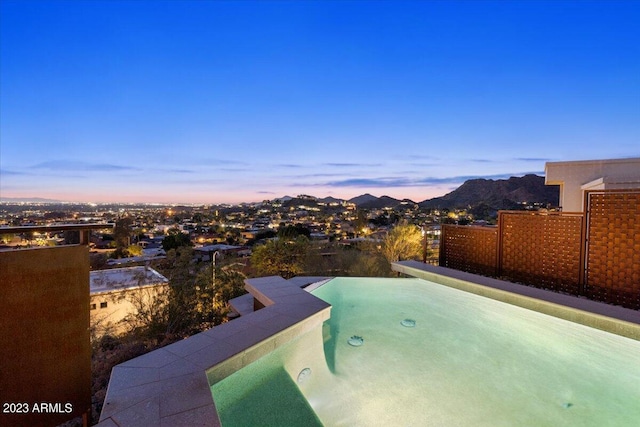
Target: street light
(424, 243)
(213, 279)
(213, 262)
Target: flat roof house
(576, 177)
(116, 293)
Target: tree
(211, 297)
(404, 241)
(151, 315)
(134, 250)
(280, 257)
(372, 264)
(233, 236)
(229, 284)
(195, 302)
(178, 268)
(98, 261)
(332, 259)
(291, 232)
(364, 261)
(261, 235)
(175, 239)
(483, 211)
(361, 221)
(122, 237)
(325, 259)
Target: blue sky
(213, 102)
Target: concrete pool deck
(171, 386)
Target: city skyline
(226, 102)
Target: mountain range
(495, 194)
(28, 200)
(492, 194)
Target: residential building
(120, 292)
(576, 177)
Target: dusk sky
(223, 102)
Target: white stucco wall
(122, 291)
(576, 176)
(119, 304)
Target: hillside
(492, 194)
(386, 202)
(365, 198)
(498, 194)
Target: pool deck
(610, 318)
(171, 386)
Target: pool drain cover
(356, 341)
(409, 323)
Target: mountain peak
(498, 194)
(364, 198)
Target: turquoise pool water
(432, 355)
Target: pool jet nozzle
(409, 323)
(355, 341)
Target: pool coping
(610, 318)
(171, 386)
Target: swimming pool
(434, 355)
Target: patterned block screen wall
(468, 248)
(613, 247)
(541, 249)
(596, 254)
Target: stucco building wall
(575, 177)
